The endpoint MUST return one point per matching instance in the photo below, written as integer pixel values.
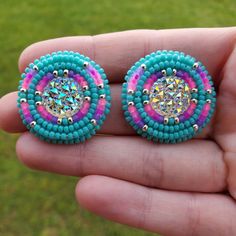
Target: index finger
(116, 52)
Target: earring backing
(63, 97)
(168, 97)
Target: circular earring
(63, 97)
(168, 97)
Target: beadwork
(168, 97)
(63, 97)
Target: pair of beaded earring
(64, 97)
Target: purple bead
(159, 74)
(140, 123)
(49, 76)
(71, 73)
(97, 116)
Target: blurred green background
(34, 203)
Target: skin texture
(182, 189)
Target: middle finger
(196, 165)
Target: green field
(35, 203)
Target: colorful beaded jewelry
(64, 97)
(168, 97)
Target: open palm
(182, 189)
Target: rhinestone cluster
(170, 96)
(62, 97)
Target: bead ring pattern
(63, 97)
(168, 97)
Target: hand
(182, 189)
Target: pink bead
(26, 112)
(24, 105)
(29, 76)
(202, 74)
(79, 79)
(131, 86)
(148, 108)
(40, 109)
(94, 73)
(102, 101)
(137, 120)
(192, 106)
(153, 78)
(131, 109)
(99, 111)
(85, 108)
(135, 115)
(132, 83)
(79, 115)
(39, 88)
(207, 107)
(152, 113)
(83, 83)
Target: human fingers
(116, 52)
(195, 165)
(166, 212)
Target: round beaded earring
(64, 97)
(168, 97)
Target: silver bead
(66, 72)
(94, 122)
(208, 101)
(145, 127)
(130, 103)
(23, 90)
(176, 120)
(143, 66)
(86, 64)
(102, 96)
(163, 72)
(32, 124)
(87, 99)
(145, 102)
(166, 120)
(22, 100)
(59, 120)
(70, 120)
(35, 68)
(194, 90)
(85, 87)
(195, 127)
(130, 91)
(146, 91)
(55, 73)
(100, 86)
(209, 91)
(38, 93)
(174, 71)
(38, 103)
(194, 100)
(195, 65)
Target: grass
(35, 203)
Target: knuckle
(145, 208)
(80, 155)
(193, 216)
(153, 167)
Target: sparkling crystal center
(170, 96)
(62, 97)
